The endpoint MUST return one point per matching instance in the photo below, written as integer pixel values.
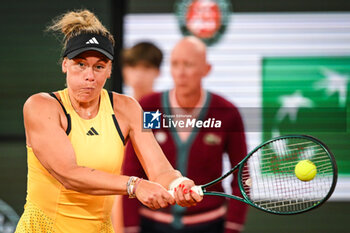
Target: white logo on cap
(92, 41)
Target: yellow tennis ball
(305, 170)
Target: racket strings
(291, 165)
(295, 154)
(286, 205)
(269, 181)
(273, 151)
(299, 145)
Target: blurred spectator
(196, 152)
(141, 66)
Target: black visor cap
(86, 42)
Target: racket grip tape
(196, 189)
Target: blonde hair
(74, 23)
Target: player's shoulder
(41, 107)
(40, 100)
(122, 101)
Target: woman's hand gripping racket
(270, 180)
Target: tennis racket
(267, 180)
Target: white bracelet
(177, 182)
(130, 186)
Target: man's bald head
(192, 45)
(189, 64)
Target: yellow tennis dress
(98, 143)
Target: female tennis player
(75, 140)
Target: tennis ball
(305, 170)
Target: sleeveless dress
(99, 144)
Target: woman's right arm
(46, 136)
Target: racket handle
(196, 189)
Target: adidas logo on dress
(92, 41)
(92, 132)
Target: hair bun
(74, 23)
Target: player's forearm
(91, 181)
(157, 167)
(167, 177)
